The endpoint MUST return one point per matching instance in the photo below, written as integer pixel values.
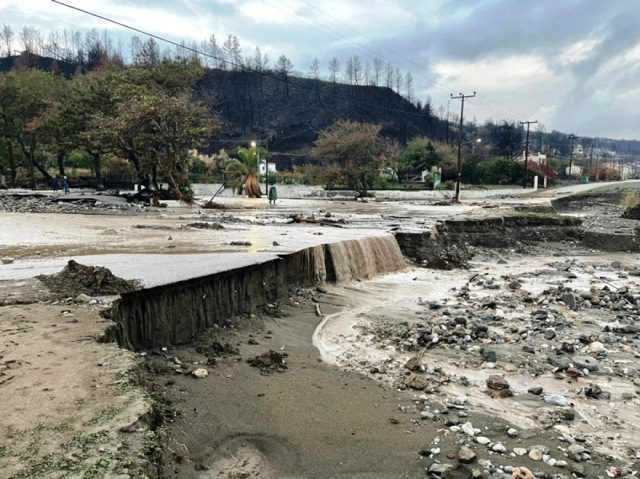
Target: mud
(317, 350)
(76, 279)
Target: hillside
(289, 113)
(283, 113)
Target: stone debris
(200, 373)
(67, 204)
(522, 473)
(270, 361)
(570, 339)
(466, 455)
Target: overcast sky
(574, 65)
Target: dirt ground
(65, 397)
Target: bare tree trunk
(252, 186)
(174, 186)
(97, 168)
(30, 153)
(60, 159)
(12, 164)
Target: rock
(560, 362)
(466, 455)
(414, 364)
(499, 448)
(439, 470)
(522, 473)
(468, 429)
(585, 362)
(416, 382)
(568, 414)
(7, 260)
(577, 469)
(594, 391)
(270, 361)
(497, 383)
(556, 400)
(498, 387)
(549, 334)
(512, 432)
(536, 453)
(569, 299)
(596, 347)
(83, 298)
(482, 440)
(488, 355)
(200, 373)
(536, 390)
(576, 452)
(519, 451)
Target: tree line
(92, 48)
(141, 119)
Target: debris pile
(69, 204)
(270, 362)
(76, 279)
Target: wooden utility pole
(461, 97)
(572, 139)
(526, 152)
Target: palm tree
(245, 171)
(235, 173)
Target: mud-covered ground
(70, 406)
(526, 359)
(433, 374)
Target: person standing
(65, 184)
(273, 195)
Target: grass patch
(631, 199)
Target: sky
(573, 65)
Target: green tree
(420, 154)
(357, 149)
(172, 127)
(26, 96)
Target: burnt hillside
(36, 61)
(287, 113)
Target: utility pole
(448, 105)
(572, 139)
(461, 97)
(526, 152)
(593, 140)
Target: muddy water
(402, 297)
(313, 421)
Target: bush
(631, 199)
(499, 171)
(80, 160)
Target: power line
(362, 46)
(236, 65)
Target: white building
(262, 168)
